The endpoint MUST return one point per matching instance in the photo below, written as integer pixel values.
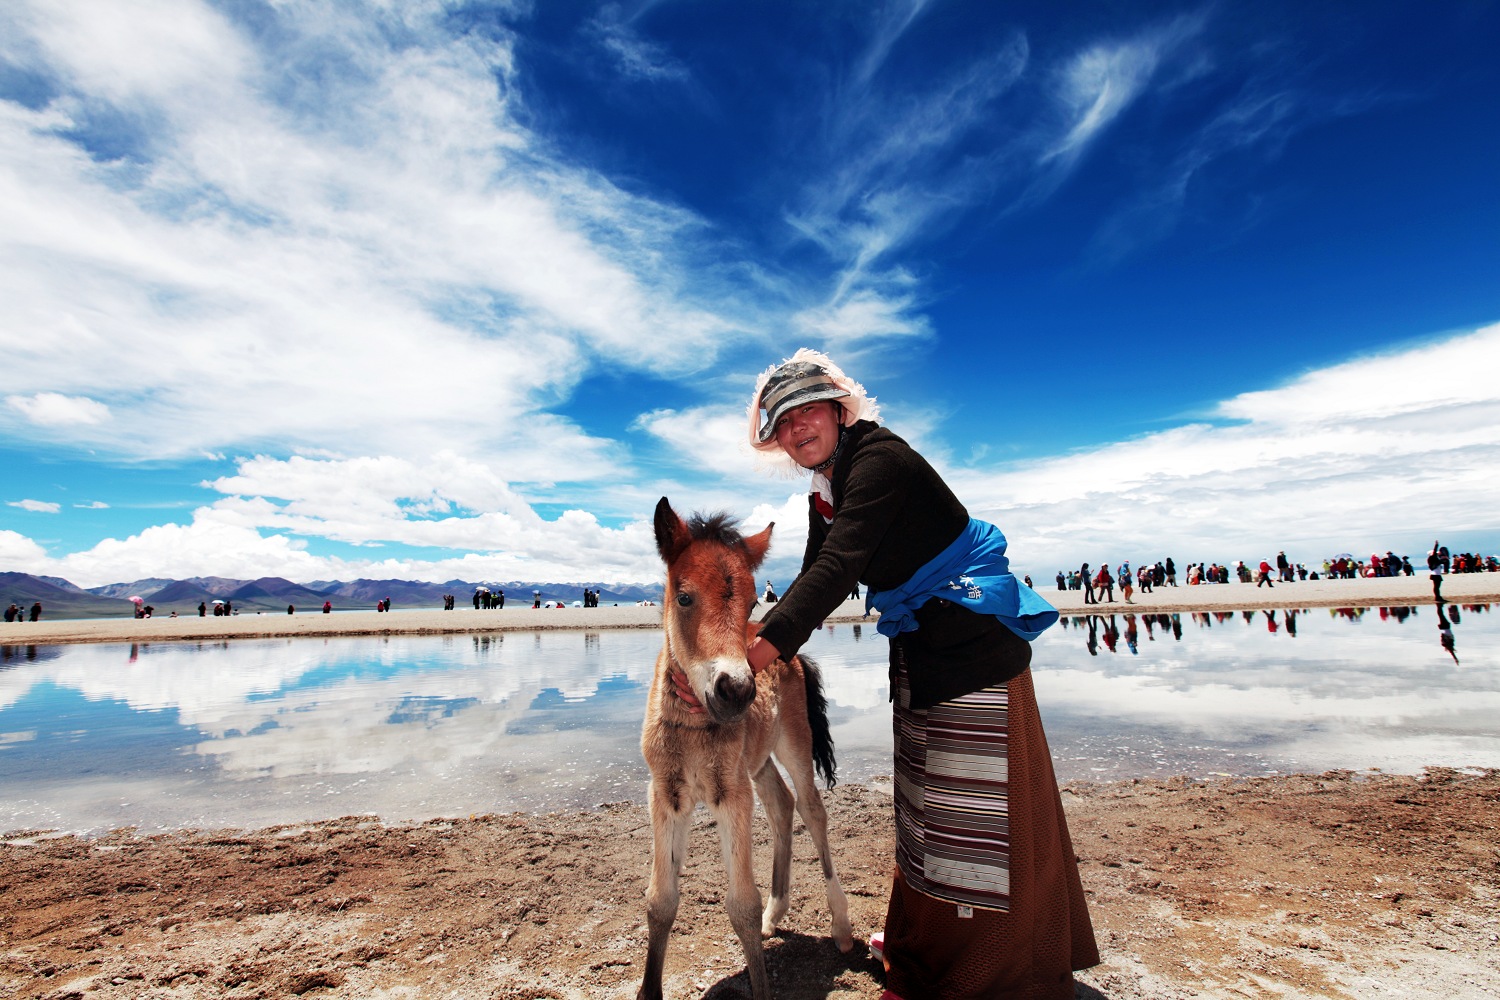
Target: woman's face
(809, 433)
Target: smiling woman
(987, 900)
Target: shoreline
(1463, 588)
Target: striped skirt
(987, 900)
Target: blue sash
(974, 572)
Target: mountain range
(62, 599)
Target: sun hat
(792, 385)
(805, 377)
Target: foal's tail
(817, 719)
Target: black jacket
(893, 515)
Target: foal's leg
(795, 753)
(733, 814)
(777, 799)
(669, 838)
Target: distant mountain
(277, 591)
(137, 588)
(62, 599)
(64, 584)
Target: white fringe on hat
(854, 407)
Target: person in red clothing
(1264, 577)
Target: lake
(253, 733)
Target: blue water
(259, 732)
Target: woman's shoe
(877, 949)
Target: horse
(714, 741)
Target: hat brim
(810, 394)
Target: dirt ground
(1304, 886)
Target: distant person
(1087, 583)
(1062, 581)
(12, 613)
(854, 592)
(36, 611)
(1105, 585)
(500, 598)
(536, 599)
(228, 608)
(1264, 578)
(291, 609)
(1283, 568)
(1434, 573)
(202, 610)
(1127, 582)
(1171, 571)
(770, 595)
(477, 600)
(327, 607)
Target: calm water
(253, 733)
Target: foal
(714, 756)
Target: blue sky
(426, 290)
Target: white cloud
(634, 55)
(215, 247)
(95, 505)
(52, 409)
(1378, 452)
(36, 506)
(18, 550)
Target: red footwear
(888, 995)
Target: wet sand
(1475, 588)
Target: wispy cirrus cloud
(35, 506)
(213, 219)
(634, 55)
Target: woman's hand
(761, 654)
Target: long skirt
(987, 902)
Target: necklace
(827, 463)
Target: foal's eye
(685, 600)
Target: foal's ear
(757, 545)
(671, 532)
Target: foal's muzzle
(731, 696)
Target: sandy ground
(1334, 885)
(1465, 588)
(1303, 886)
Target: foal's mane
(718, 527)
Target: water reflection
(256, 732)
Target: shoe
(877, 948)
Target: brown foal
(714, 755)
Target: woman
(987, 901)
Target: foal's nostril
(735, 693)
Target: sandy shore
(1475, 588)
(1297, 886)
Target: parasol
(136, 600)
(217, 601)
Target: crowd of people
(1099, 585)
